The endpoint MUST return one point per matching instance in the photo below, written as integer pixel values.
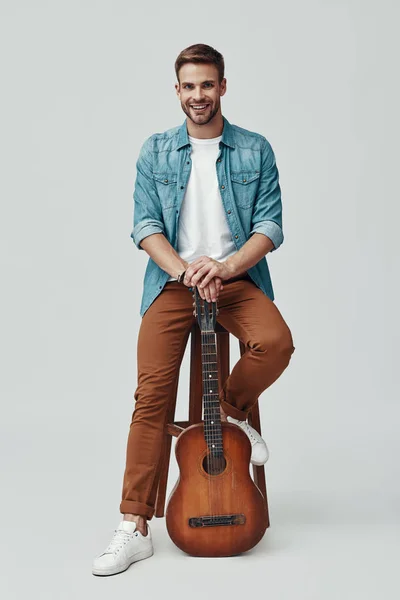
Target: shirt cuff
(271, 230)
(143, 230)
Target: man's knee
(285, 345)
(280, 344)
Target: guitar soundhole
(214, 465)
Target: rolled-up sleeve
(147, 213)
(267, 211)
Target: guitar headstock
(206, 312)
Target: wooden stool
(174, 428)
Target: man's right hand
(211, 291)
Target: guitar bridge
(217, 520)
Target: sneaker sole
(111, 571)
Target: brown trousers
(247, 313)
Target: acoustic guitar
(215, 508)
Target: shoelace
(249, 432)
(120, 538)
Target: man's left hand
(206, 267)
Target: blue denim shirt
(248, 180)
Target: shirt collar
(227, 134)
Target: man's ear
(223, 87)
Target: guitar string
(210, 459)
(212, 412)
(219, 424)
(213, 460)
(210, 426)
(218, 421)
(204, 391)
(210, 419)
(209, 408)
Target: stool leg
(258, 470)
(254, 421)
(223, 357)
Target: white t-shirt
(202, 225)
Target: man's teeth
(199, 106)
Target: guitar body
(220, 512)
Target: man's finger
(207, 278)
(213, 290)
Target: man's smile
(199, 107)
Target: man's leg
(247, 313)
(162, 339)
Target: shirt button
(181, 187)
(244, 180)
(165, 180)
(161, 285)
(229, 212)
(222, 187)
(187, 162)
(219, 160)
(236, 236)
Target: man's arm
(147, 216)
(266, 234)
(267, 211)
(249, 254)
(148, 224)
(160, 250)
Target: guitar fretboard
(211, 404)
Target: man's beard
(211, 115)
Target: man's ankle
(223, 414)
(140, 520)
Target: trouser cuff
(136, 508)
(232, 411)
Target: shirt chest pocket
(245, 185)
(166, 185)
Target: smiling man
(207, 211)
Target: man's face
(198, 87)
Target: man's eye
(188, 85)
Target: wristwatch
(181, 277)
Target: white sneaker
(126, 547)
(259, 449)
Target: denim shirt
(248, 180)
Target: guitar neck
(212, 415)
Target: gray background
(84, 83)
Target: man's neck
(210, 130)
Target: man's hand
(211, 291)
(207, 274)
(202, 270)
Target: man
(207, 209)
